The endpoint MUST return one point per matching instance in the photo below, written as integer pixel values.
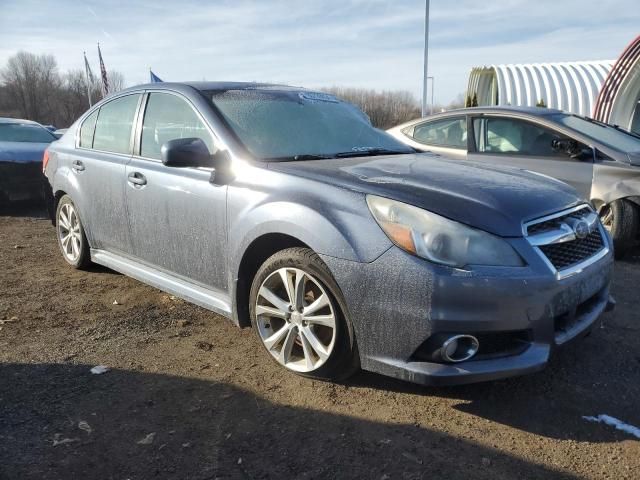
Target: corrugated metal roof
(621, 90)
(570, 86)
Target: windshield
(606, 134)
(281, 125)
(24, 132)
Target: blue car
(22, 146)
(286, 210)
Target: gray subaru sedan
(284, 209)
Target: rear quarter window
(87, 129)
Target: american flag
(89, 74)
(103, 71)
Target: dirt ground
(191, 396)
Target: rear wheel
(622, 219)
(71, 238)
(299, 316)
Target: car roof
(215, 86)
(17, 120)
(538, 111)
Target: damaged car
(284, 209)
(601, 161)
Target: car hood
(491, 198)
(22, 152)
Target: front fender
(343, 230)
(613, 183)
(337, 234)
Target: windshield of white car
(612, 136)
(282, 125)
(25, 132)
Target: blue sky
(361, 43)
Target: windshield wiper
(624, 130)
(371, 152)
(609, 125)
(295, 158)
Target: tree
(385, 109)
(467, 102)
(474, 100)
(541, 103)
(31, 87)
(29, 81)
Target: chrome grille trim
(559, 235)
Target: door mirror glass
(186, 152)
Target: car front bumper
(399, 301)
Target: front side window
(514, 136)
(25, 133)
(87, 129)
(451, 132)
(113, 127)
(288, 124)
(168, 117)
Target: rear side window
(87, 129)
(450, 132)
(113, 128)
(168, 117)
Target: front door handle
(77, 165)
(136, 178)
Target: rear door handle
(77, 165)
(136, 178)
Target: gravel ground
(188, 395)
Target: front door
(529, 146)
(177, 217)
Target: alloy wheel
(69, 232)
(295, 319)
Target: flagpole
(426, 59)
(86, 73)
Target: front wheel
(622, 219)
(299, 316)
(71, 238)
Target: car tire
(622, 219)
(318, 339)
(70, 233)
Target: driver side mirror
(186, 152)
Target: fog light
(459, 348)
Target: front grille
(555, 222)
(565, 255)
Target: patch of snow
(99, 369)
(614, 422)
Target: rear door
(446, 136)
(98, 170)
(523, 144)
(177, 217)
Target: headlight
(439, 239)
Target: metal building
(618, 102)
(570, 86)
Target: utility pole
(426, 58)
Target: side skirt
(213, 300)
